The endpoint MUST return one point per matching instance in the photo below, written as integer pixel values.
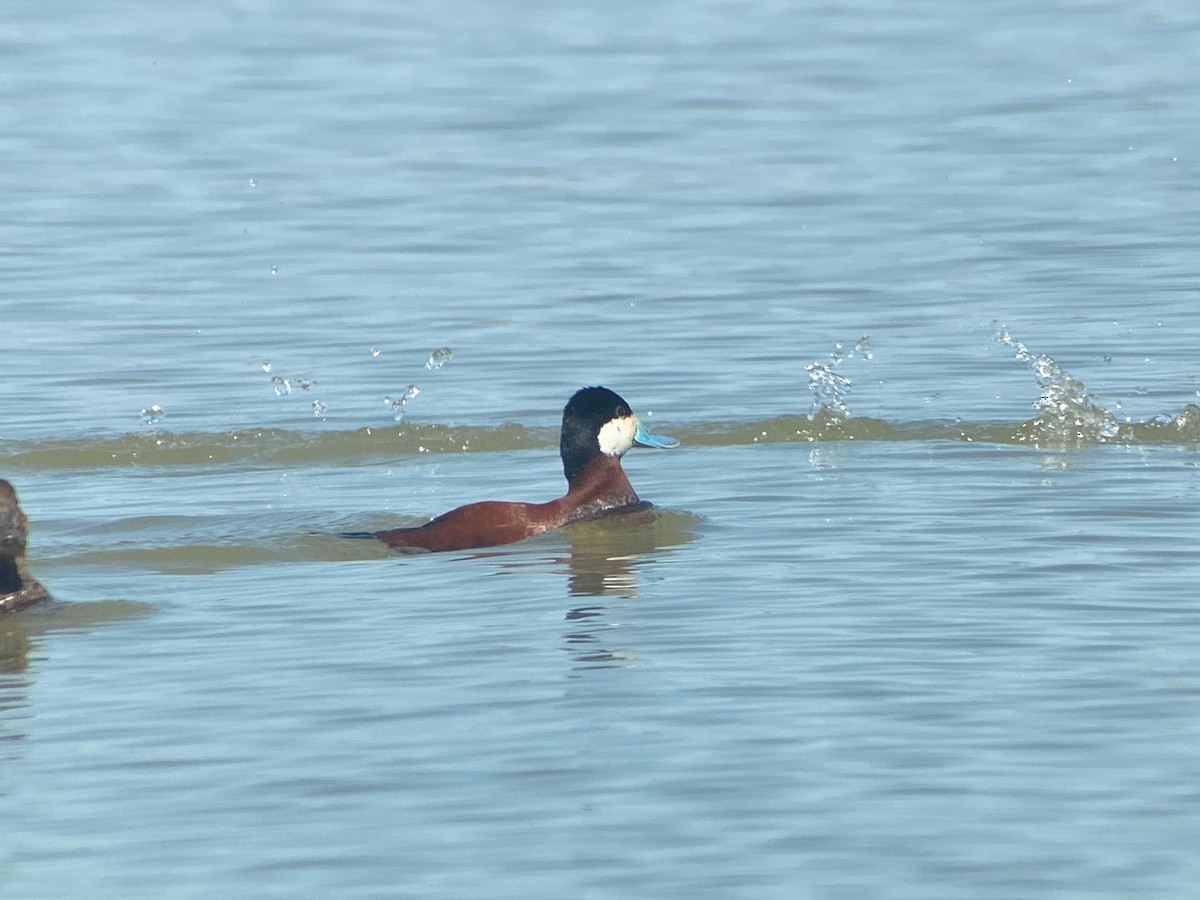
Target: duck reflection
(14, 648)
(589, 640)
(606, 560)
(607, 554)
(20, 638)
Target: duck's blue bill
(643, 438)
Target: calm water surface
(944, 645)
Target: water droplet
(283, 386)
(375, 352)
(398, 405)
(267, 366)
(439, 358)
(253, 182)
(318, 408)
(152, 415)
(828, 388)
(1067, 411)
(274, 270)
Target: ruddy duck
(18, 589)
(598, 427)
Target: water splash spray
(439, 358)
(284, 385)
(398, 405)
(153, 415)
(829, 388)
(1068, 413)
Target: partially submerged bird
(598, 427)
(18, 589)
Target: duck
(18, 589)
(598, 428)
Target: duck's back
(488, 523)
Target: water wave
(1050, 429)
(1068, 416)
(203, 545)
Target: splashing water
(439, 358)
(153, 415)
(829, 388)
(1068, 413)
(398, 405)
(283, 384)
(318, 408)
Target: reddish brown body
(598, 427)
(600, 488)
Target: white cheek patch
(616, 435)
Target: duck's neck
(599, 486)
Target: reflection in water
(588, 641)
(604, 561)
(21, 632)
(19, 636)
(14, 647)
(825, 457)
(13, 705)
(606, 553)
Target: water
(915, 616)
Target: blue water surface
(898, 668)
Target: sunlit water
(916, 288)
